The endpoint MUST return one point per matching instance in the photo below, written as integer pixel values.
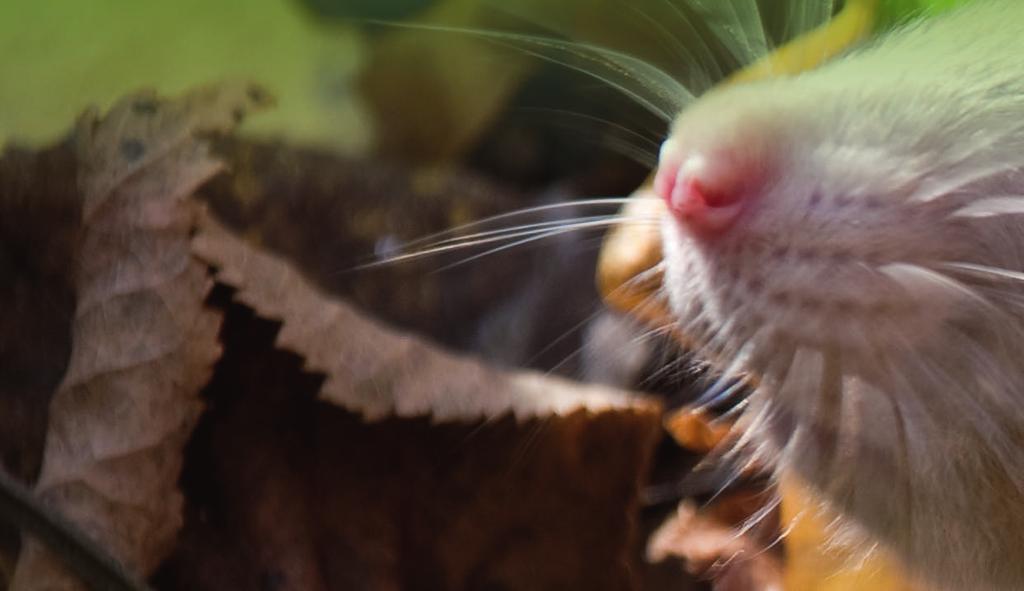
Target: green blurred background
(57, 57)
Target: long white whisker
(743, 36)
(641, 138)
(940, 187)
(664, 95)
(632, 144)
(698, 78)
(917, 278)
(523, 229)
(707, 59)
(730, 414)
(669, 42)
(599, 201)
(760, 515)
(534, 234)
(533, 237)
(728, 383)
(991, 207)
(572, 330)
(983, 270)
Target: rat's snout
(704, 193)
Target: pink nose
(705, 200)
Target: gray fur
(861, 284)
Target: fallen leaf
(143, 342)
(327, 212)
(39, 223)
(715, 543)
(379, 373)
(694, 430)
(341, 454)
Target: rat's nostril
(692, 188)
(696, 195)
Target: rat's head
(860, 268)
(790, 229)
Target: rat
(852, 237)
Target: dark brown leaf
(466, 477)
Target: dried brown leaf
(39, 222)
(695, 430)
(467, 477)
(143, 342)
(710, 541)
(381, 373)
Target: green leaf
(894, 12)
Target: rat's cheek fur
(914, 435)
(903, 408)
(918, 454)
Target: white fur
(854, 285)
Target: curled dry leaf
(39, 221)
(143, 342)
(379, 373)
(714, 545)
(696, 430)
(416, 468)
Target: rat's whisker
(654, 333)
(540, 227)
(532, 236)
(728, 416)
(673, 45)
(470, 243)
(741, 31)
(642, 140)
(568, 333)
(632, 144)
(943, 185)
(773, 502)
(724, 389)
(522, 230)
(983, 270)
(644, 83)
(917, 279)
(730, 381)
(706, 59)
(547, 207)
(991, 207)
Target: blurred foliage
(897, 11)
(58, 56)
(370, 9)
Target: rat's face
(843, 264)
(784, 235)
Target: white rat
(854, 237)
